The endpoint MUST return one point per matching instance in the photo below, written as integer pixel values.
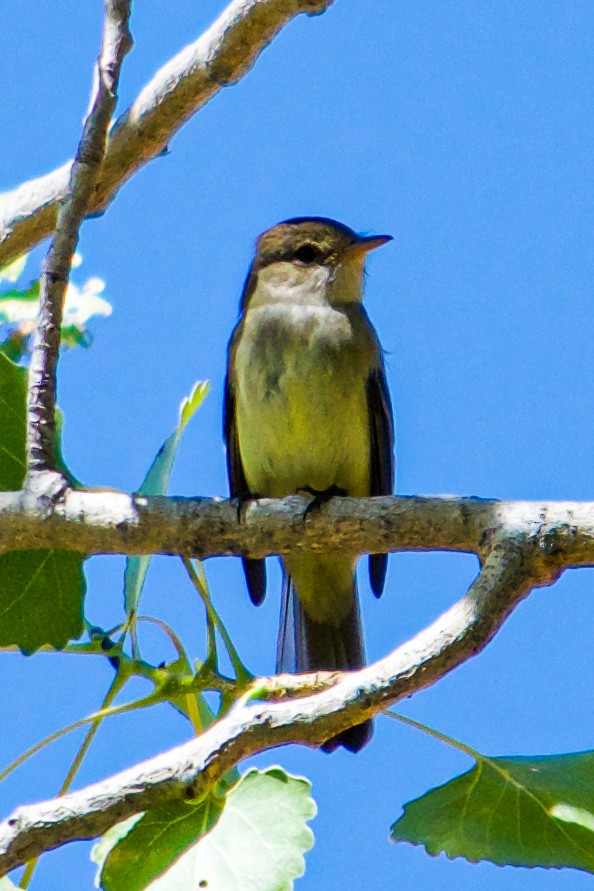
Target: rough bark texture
(56, 270)
(560, 533)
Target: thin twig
(116, 685)
(214, 621)
(116, 43)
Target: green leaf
(12, 424)
(189, 404)
(156, 841)
(155, 483)
(15, 346)
(41, 597)
(73, 335)
(41, 591)
(101, 850)
(257, 844)
(521, 811)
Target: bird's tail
(307, 645)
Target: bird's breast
(301, 403)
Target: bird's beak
(366, 243)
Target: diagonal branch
(192, 769)
(222, 56)
(54, 281)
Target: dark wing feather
(254, 570)
(381, 427)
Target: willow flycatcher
(307, 408)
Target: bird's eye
(307, 253)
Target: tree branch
(520, 544)
(222, 56)
(558, 534)
(192, 769)
(54, 280)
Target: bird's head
(306, 250)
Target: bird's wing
(255, 570)
(381, 429)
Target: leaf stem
(437, 734)
(241, 672)
(116, 685)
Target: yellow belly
(302, 416)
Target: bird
(307, 410)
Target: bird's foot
(242, 502)
(320, 496)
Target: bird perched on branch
(307, 409)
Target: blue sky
(465, 130)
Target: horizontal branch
(105, 521)
(220, 57)
(192, 769)
(521, 545)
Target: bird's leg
(320, 496)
